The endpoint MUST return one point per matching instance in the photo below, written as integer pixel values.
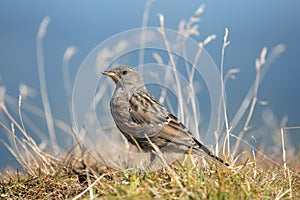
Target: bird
(139, 116)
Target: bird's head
(125, 76)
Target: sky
(84, 24)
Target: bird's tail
(209, 153)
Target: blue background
(83, 24)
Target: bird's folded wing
(173, 130)
(146, 110)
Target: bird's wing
(175, 131)
(145, 109)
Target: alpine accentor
(137, 113)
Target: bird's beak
(109, 73)
(112, 75)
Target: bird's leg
(152, 159)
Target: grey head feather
(125, 77)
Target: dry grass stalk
(42, 78)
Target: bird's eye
(124, 72)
